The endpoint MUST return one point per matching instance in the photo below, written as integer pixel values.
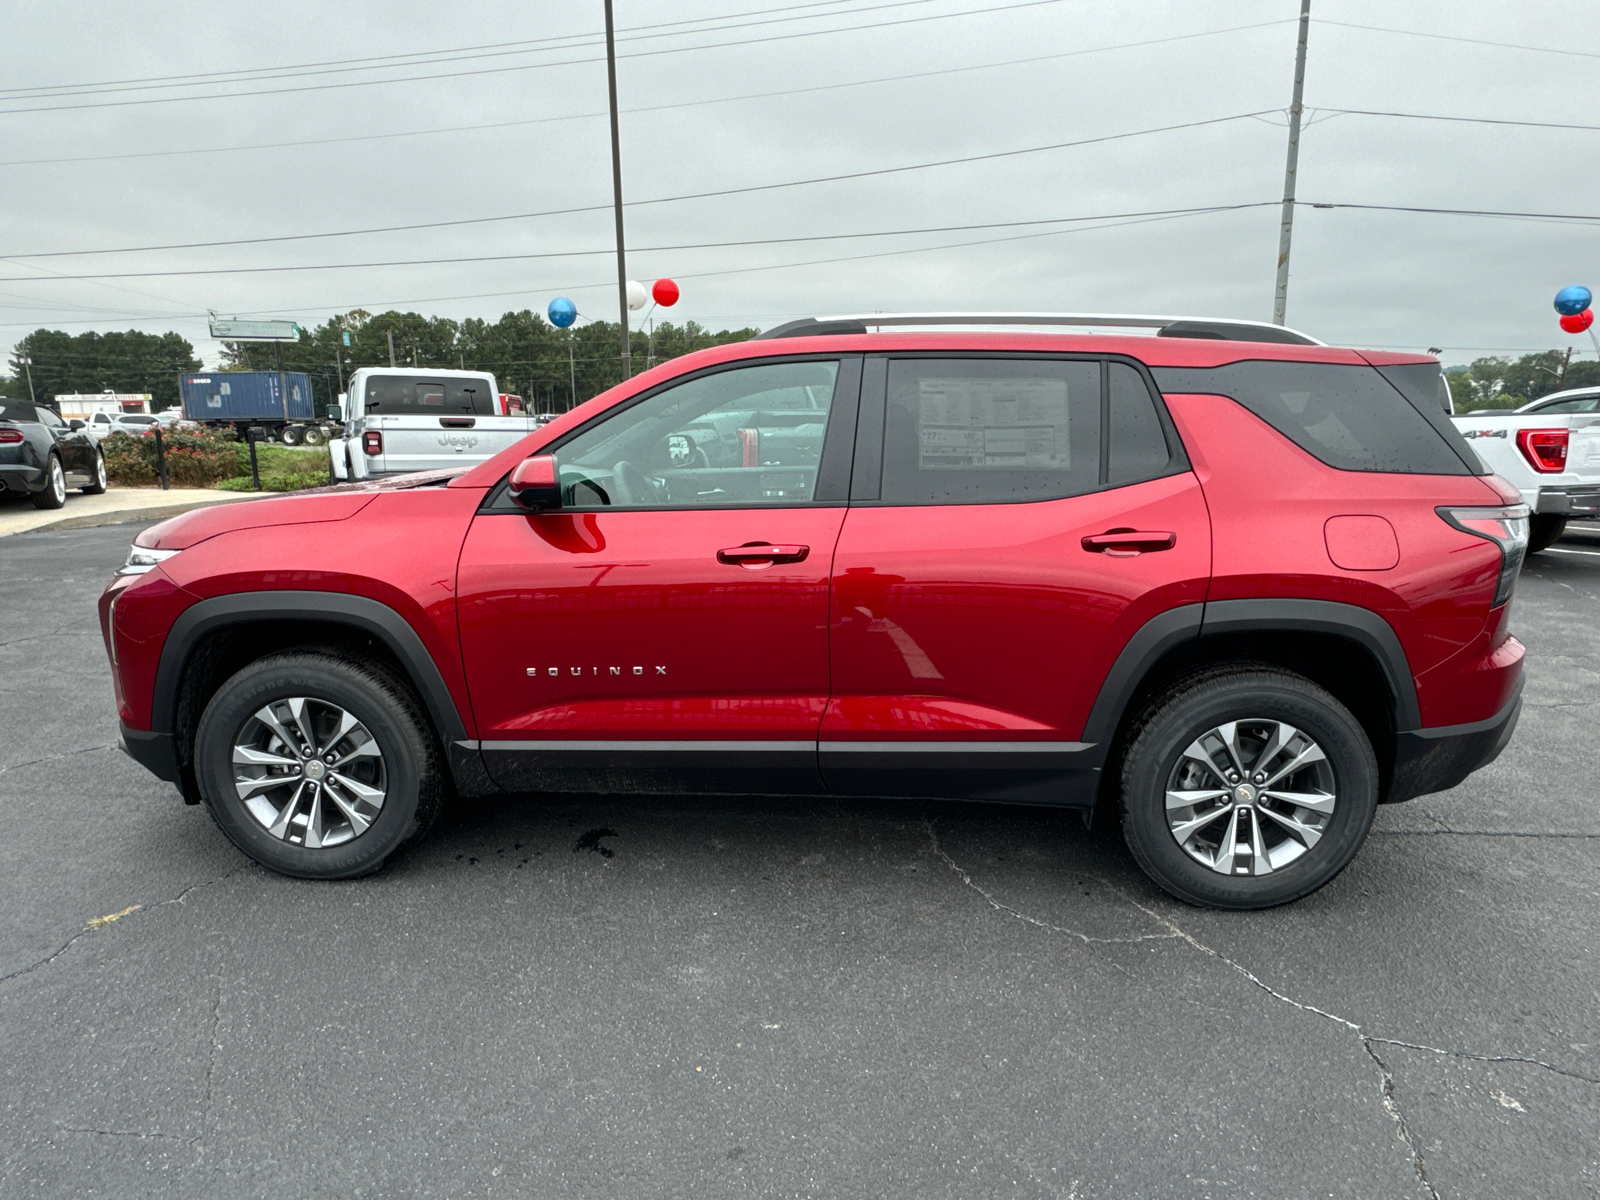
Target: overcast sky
(1472, 285)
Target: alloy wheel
(58, 482)
(1250, 797)
(309, 772)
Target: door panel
(964, 631)
(600, 627)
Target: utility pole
(390, 336)
(1561, 383)
(1281, 298)
(27, 365)
(616, 190)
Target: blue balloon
(1570, 301)
(564, 312)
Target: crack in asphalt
(128, 1133)
(34, 762)
(137, 910)
(1446, 831)
(1367, 1041)
(1085, 938)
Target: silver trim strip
(1123, 320)
(959, 747)
(917, 747)
(624, 744)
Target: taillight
(372, 441)
(10, 436)
(1545, 449)
(1507, 528)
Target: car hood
(337, 503)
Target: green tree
(63, 363)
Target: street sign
(347, 337)
(254, 331)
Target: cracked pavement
(774, 997)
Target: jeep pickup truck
(398, 420)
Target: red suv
(1238, 584)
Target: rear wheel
(54, 492)
(1544, 531)
(312, 436)
(317, 765)
(1245, 786)
(289, 435)
(97, 486)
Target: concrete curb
(127, 516)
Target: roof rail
(1188, 327)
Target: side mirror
(75, 425)
(535, 484)
(680, 450)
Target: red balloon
(1576, 323)
(665, 293)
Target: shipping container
(234, 396)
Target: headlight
(141, 560)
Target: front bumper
(155, 752)
(1435, 760)
(1582, 501)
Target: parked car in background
(1550, 452)
(1237, 586)
(413, 419)
(42, 455)
(102, 425)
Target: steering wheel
(630, 485)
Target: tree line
(1504, 383)
(552, 368)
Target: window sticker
(967, 423)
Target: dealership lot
(726, 996)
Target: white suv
(416, 419)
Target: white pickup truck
(1550, 451)
(415, 419)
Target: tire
(289, 435)
(311, 436)
(405, 769)
(1544, 531)
(54, 492)
(98, 487)
(1256, 699)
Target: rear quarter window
(1349, 417)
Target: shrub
(195, 457)
(293, 481)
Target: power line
(1566, 218)
(432, 58)
(826, 87)
(321, 87)
(1364, 112)
(765, 187)
(381, 58)
(1445, 37)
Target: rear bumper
(19, 477)
(1435, 760)
(1582, 501)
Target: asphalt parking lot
(723, 997)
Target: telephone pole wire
(1280, 300)
(616, 189)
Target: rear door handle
(1127, 543)
(458, 422)
(756, 555)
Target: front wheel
(1544, 531)
(317, 765)
(54, 492)
(1245, 786)
(98, 486)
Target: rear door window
(1139, 447)
(985, 431)
(470, 396)
(1349, 417)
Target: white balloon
(638, 295)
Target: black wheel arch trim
(359, 612)
(1360, 625)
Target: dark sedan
(42, 455)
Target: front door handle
(1128, 543)
(458, 422)
(755, 556)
